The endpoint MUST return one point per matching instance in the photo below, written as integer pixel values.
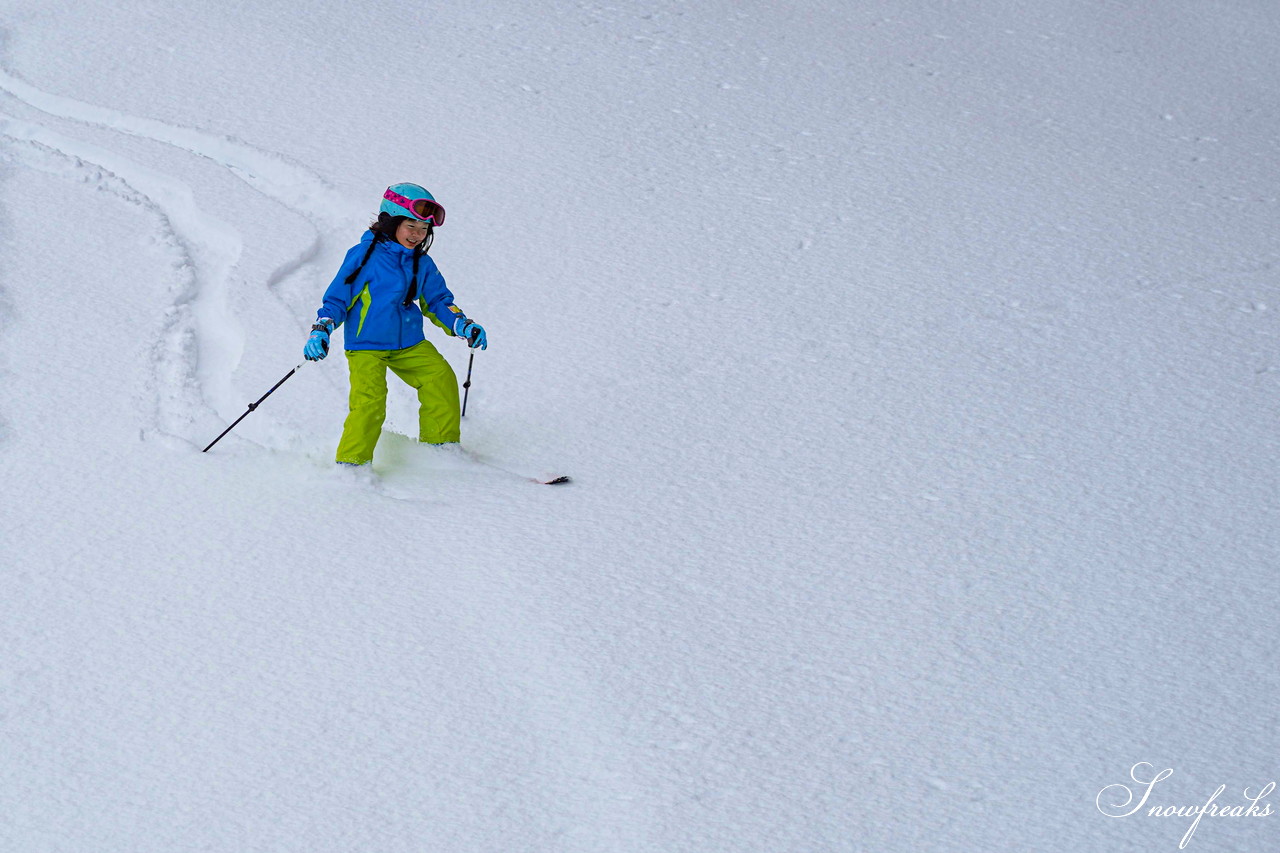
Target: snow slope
(915, 364)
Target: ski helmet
(412, 201)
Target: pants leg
(368, 406)
(424, 369)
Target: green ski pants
(421, 367)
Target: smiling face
(410, 233)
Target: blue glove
(318, 344)
(471, 332)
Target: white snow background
(915, 362)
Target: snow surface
(915, 363)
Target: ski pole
(252, 406)
(466, 386)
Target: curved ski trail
(206, 335)
(209, 249)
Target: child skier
(386, 286)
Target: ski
(541, 481)
(556, 480)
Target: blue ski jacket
(372, 307)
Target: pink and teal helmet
(412, 201)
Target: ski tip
(555, 481)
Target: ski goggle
(422, 208)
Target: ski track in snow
(190, 360)
(172, 387)
(291, 184)
(209, 340)
(288, 183)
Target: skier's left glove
(471, 332)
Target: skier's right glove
(318, 343)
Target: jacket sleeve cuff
(455, 316)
